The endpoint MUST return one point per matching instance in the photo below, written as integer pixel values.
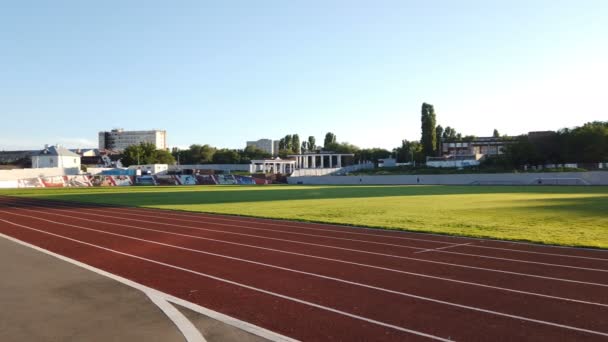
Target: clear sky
(224, 72)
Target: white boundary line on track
(252, 287)
(301, 242)
(190, 332)
(126, 212)
(326, 246)
(253, 329)
(434, 249)
(336, 260)
(379, 230)
(496, 313)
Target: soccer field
(572, 216)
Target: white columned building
(309, 160)
(278, 165)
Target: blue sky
(226, 72)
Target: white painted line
(319, 276)
(384, 236)
(379, 230)
(434, 249)
(540, 253)
(307, 243)
(525, 261)
(190, 332)
(331, 247)
(274, 294)
(383, 233)
(334, 260)
(262, 229)
(253, 329)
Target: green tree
(251, 153)
(341, 147)
(226, 156)
(304, 147)
(429, 135)
(495, 134)
(288, 142)
(295, 143)
(438, 134)
(330, 138)
(282, 144)
(409, 151)
(145, 153)
(449, 134)
(312, 143)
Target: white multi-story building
(55, 156)
(119, 139)
(266, 145)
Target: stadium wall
(216, 167)
(16, 174)
(546, 178)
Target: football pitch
(569, 216)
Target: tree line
(584, 144)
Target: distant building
(55, 156)
(119, 139)
(150, 169)
(487, 146)
(266, 145)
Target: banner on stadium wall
(30, 183)
(186, 180)
(121, 180)
(106, 180)
(53, 182)
(77, 181)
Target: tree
(304, 146)
(226, 156)
(312, 143)
(282, 144)
(250, 153)
(409, 151)
(438, 134)
(295, 143)
(429, 135)
(288, 142)
(372, 154)
(197, 154)
(449, 134)
(145, 153)
(495, 134)
(330, 138)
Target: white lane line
(404, 294)
(330, 247)
(384, 233)
(203, 214)
(190, 332)
(221, 217)
(253, 228)
(253, 329)
(434, 249)
(429, 249)
(262, 229)
(525, 261)
(333, 260)
(300, 242)
(540, 253)
(274, 294)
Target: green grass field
(574, 216)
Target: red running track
(328, 282)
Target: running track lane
(426, 316)
(579, 268)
